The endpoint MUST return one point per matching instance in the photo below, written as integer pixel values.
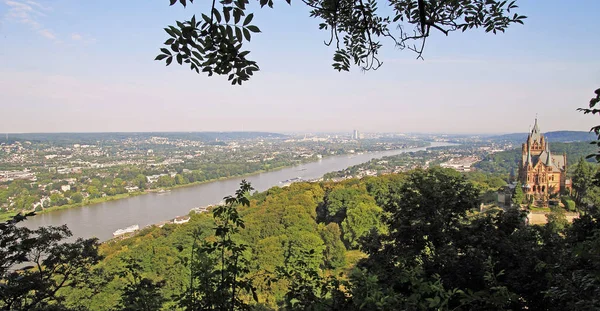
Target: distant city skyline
(66, 69)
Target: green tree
(96, 183)
(77, 197)
(165, 181)
(93, 192)
(36, 264)
(583, 181)
(335, 251)
(180, 180)
(359, 221)
(214, 42)
(218, 286)
(431, 205)
(557, 221)
(518, 196)
(140, 181)
(140, 293)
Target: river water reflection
(100, 220)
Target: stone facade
(540, 172)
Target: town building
(540, 172)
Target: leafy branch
(215, 43)
(596, 129)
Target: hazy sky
(74, 65)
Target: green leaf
(248, 19)
(166, 51)
(179, 59)
(169, 60)
(253, 28)
(238, 34)
(197, 55)
(226, 14)
(170, 32)
(161, 57)
(206, 18)
(175, 30)
(237, 15)
(246, 34)
(230, 33)
(216, 14)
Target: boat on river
(129, 229)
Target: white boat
(126, 230)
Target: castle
(540, 172)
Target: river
(101, 220)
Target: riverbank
(103, 219)
(95, 201)
(89, 202)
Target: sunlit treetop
(214, 42)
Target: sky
(88, 66)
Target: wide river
(101, 220)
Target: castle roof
(535, 134)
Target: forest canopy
(411, 241)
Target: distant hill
(557, 136)
(90, 138)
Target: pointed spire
(549, 158)
(529, 155)
(536, 128)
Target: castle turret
(549, 156)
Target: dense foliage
(413, 241)
(36, 264)
(214, 42)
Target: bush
(569, 204)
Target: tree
(217, 279)
(431, 204)
(36, 264)
(165, 181)
(93, 192)
(214, 42)
(140, 181)
(583, 181)
(557, 221)
(518, 195)
(180, 180)
(335, 250)
(77, 197)
(140, 294)
(359, 221)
